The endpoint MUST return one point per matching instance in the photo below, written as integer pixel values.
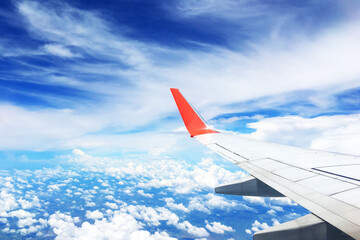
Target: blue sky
(83, 74)
(93, 77)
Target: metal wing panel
(292, 171)
(326, 185)
(302, 157)
(294, 174)
(338, 213)
(351, 197)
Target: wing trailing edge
(308, 227)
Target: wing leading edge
(327, 184)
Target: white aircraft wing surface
(325, 183)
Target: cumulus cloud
(211, 201)
(170, 203)
(256, 200)
(270, 202)
(282, 201)
(121, 226)
(177, 176)
(29, 204)
(7, 202)
(94, 215)
(271, 212)
(25, 222)
(111, 205)
(219, 228)
(196, 231)
(21, 214)
(150, 215)
(141, 192)
(257, 226)
(153, 216)
(142, 221)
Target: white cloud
(7, 202)
(277, 208)
(55, 187)
(234, 119)
(121, 227)
(177, 176)
(256, 200)
(58, 50)
(275, 222)
(21, 214)
(27, 204)
(271, 212)
(90, 204)
(94, 215)
(282, 201)
(41, 129)
(257, 226)
(269, 202)
(141, 192)
(76, 28)
(227, 9)
(109, 197)
(3, 220)
(153, 216)
(111, 205)
(211, 201)
(170, 203)
(78, 152)
(219, 228)
(332, 133)
(196, 231)
(26, 222)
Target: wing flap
(308, 227)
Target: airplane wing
(325, 183)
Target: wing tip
(192, 120)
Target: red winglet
(193, 122)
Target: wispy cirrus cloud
(129, 78)
(227, 9)
(58, 50)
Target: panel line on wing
(231, 151)
(344, 191)
(317, 171)
(335, 174)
